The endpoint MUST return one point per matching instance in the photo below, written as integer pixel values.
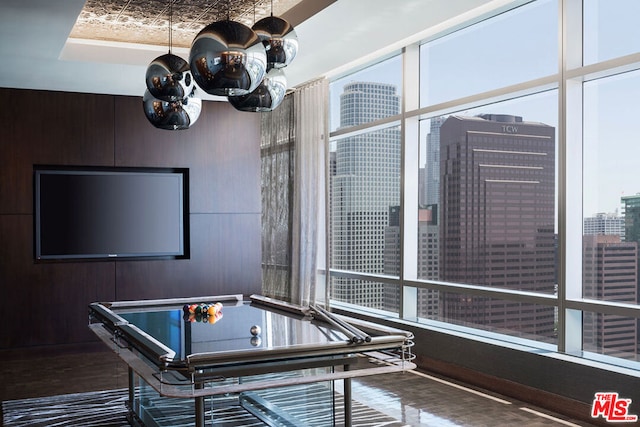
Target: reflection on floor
(420, 399)
(413, 398)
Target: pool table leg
(199, 408)
(132, 387)
(347, 399)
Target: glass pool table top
(169, 335)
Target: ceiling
(104, 46)
(147, 21)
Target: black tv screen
(110, 213)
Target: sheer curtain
(311, 105)
(277, 162)
(293, 154)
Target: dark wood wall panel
(49, 127)
(221, 150)
(45, 304)
(220, 263)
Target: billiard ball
(214, 309)
(255, 330)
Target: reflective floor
(411, 398)
(419, 399)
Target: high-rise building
(365, 185)
(610, 273)
(428, 300)
(631, 211)
(428, 260)
(392, 248)
(431, 192)
(604, 223)
(428, 228)
(497, 205)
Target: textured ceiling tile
(147, 21)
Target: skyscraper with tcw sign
(497, 219)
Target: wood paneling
(221, 151)
(221, 263)
(45, 304)
(49, 127)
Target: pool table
(264, 355)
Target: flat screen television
(110, 213)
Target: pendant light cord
(170, 24)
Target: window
(611, 207)
(506, 171)
(490, 166)
(365, 199)
(367, 95)
(513, 47)
(610, 32)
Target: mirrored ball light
(280, 40)
(168, 78)
(171, 115)
(227, 58)
(266, 97)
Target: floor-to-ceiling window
(485, 179)
(610, 86)
(365, 185)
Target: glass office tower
(497, 213)
(364, 186)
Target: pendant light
(227, 58)
(266, 97)
(269, 93)
(171, 115)
(279, 38)
(168, 77)
(169, 102)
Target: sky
(522, 45)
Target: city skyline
(511, 66)
(609, 104)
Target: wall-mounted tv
(110, 213)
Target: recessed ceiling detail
(147, 21)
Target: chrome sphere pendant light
(266, 97)
(169, 102)
(168, 77)
(171, 115)
(227, 58)
(279, 38)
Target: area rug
(107, 409)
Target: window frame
(568, 80)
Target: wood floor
(43, 372)
(416, 398)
